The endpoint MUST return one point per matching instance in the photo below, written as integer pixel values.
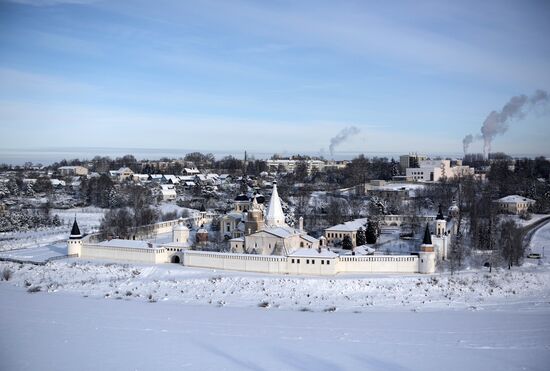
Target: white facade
(72, 170)
(312, 262)
(514, 204)
(434, 170)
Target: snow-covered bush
(6, 274)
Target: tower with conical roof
(254, 218)
(74, 244)
(440, 223)
(426, 255)
(275, 216)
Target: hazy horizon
(47, 156)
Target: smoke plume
(342, 136)
(497, 122)
(468, 139)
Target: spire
(427, 236)
(254, 203)
(275, 216)
(75, 231)
(440, 214)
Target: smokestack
(301, 224)
(342, 136)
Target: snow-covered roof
(363, 250)
(282, 231)
(234, 215)
(237, 239)
(57, 182)
(308, 238)
(172, 178)
(180, 226)
(313, 253)
(512, 199)
(350, 226)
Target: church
(265, 232)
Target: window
(322, 262)
(312, 261)
(328, 262)
(292, 261)
(298, 261)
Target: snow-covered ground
(89, 218)
(37, 254)
(61, 331)
(522, 222)
(540, 242)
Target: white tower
(275, 216)
(440, 224)
(74, 244)
(180, 232)
(426, 255)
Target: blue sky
(270, 76)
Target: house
(72, 170)
(514, 204)
(336, 233)
(140, 178)
(168, 192)
(172, 179)
(191, 171)
(122, 174)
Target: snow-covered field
(88, 218)
(67, 332)
(37, 254)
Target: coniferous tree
(372, 232)
(347, 244)
(361, 237)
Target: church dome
(180, 226)
(241, 197)
(454, 209)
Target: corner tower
(426, 255)
(74, 244)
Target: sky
(271, 76)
